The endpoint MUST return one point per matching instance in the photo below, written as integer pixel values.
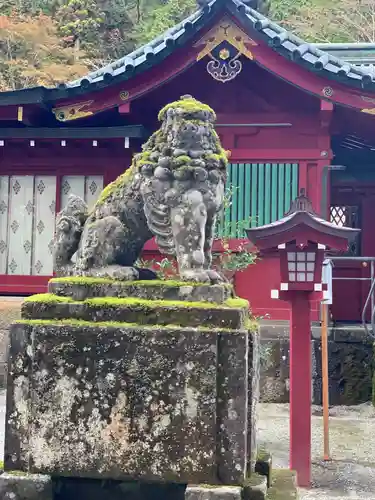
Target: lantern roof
(303, 224)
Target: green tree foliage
(332, 21)
(117, 30)
(32, 53)
(81, 20)
(162, 17)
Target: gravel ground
(351, 473)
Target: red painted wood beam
(124, 109)
(250, 117)
(15, 114)
(23, 285)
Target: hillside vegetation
(44, 42)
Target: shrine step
(81, 288)
(233, 313)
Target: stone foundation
(30, 487)
(38, 487)
(351, 364)
(10, 311)
(123, 387)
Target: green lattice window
(259, 193)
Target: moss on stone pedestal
(283, 485)
(116, 324)
(263, 464)
(107, 281)
(49, 298)
(255, 487)
(189, 105)
(233, 313)
(81, 288)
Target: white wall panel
(94, 186)
(4, 206)
(72, 184)
(44, 225)
(20, 224)
(27, 218)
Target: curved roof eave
(123, 69)
(305, 54)
(282, 41)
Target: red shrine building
(296, 117)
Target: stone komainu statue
(173, 191)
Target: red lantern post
(300, 238)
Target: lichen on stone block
(25, 487)
(81, 288)
(208, 492)
(95, 401)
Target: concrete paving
(351, 473)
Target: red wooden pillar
(300, 387)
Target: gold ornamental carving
(72, 111)
(124, 95)
(224, 44)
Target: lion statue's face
(184, 154)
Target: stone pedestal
(151, 380)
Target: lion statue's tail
(68, 232)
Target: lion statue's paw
(115, 272)
(202, 276)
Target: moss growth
(115, 324)
(220, 157)
(251, 325)
(114, 186)
(49, 298)
(86, 280)
(142, 162)
(253, 480)
(125, 178)
(283, 485)
(12, 472)
(189, 106)
(262, 453)
(182, 160)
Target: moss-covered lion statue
(173, 191)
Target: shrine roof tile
(311, 56)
